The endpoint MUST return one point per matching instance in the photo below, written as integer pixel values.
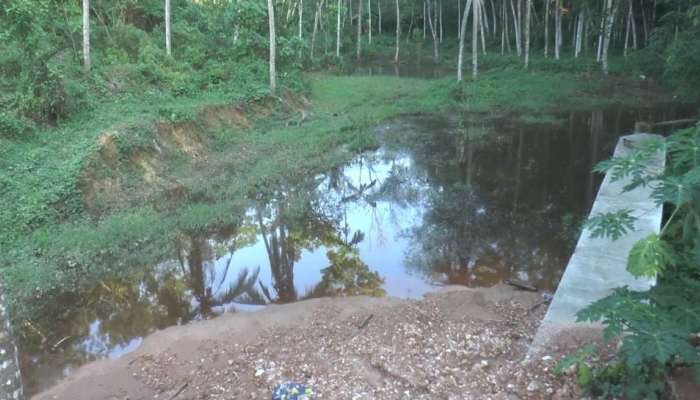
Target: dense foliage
(658, 327)
(222, 44)
(41, 70)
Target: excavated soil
(457, 344)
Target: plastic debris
(292, 391)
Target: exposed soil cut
(457, 344)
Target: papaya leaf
(650, 257)
(676, 190)
(612, 224)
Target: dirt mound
(459, 344)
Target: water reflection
(460, 199)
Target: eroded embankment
(153, 162)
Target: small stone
(533, 386)
(230, 363)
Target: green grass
(53, 243)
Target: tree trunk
(237, 30)
(442, 32)
(601, 33)
(634, 27)
(379, 14)
(528, 7)
(611, 10)
(425, 26)
(301, 14)
(459, 19)
(546, 28)
(482, 21)
(87, 60)
(505, 26)
(462, 34)
(168, 35)
(432, 21)
(493, 13)
(579, 32)
(337, 31)
(627, 29)
(359, 30)
(398, 32)
(558, 32)
(317, 15)
(475, 36)
(516, 28)
(369, 20)
(273, 46)
(503, 31)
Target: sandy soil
(457, 344)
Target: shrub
(657, 327)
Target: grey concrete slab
(598, 265)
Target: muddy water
(468, 200)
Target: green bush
(656, 327)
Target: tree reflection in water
(465, 200)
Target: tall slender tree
(273, 45)
(398, 31)
(432, 22)
(611, 11)
(168, 31)
(546, 27)
(462, 34)
(359, 30)
(579, 32)
(301, 16)
(557, 29)
(475, 36)
(87, 59)
(337, 30)
(528, 7)
(369, 20)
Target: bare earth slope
(457, 344)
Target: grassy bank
(110, 188)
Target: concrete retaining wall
(10, 378)
(599, 265)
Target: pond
(446, 199)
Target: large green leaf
(611, 224)
(650, 257)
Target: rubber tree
(87, 60)
(432, 15)
(337, 29)
(462, 34)
(476, 8)
(317, 16)
(546, 27)
(610, 12)
(273, 45)
(301, 18)
(528, 6)
(398, 31)
(369, 20)
(516, 28)
(359, 30)
(557, 29)
(168, 29)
